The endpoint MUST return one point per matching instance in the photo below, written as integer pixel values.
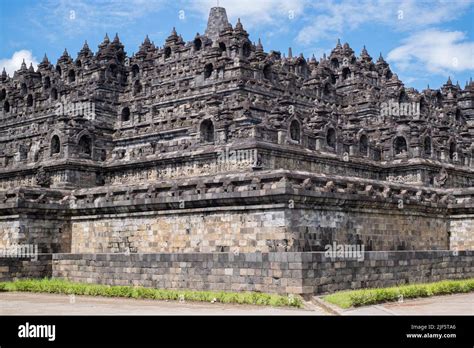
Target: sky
(425, 42)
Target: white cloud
(254, 12)
(74, 17)
(14, 63)
(336, 17)
(416, 13)
(437, 51)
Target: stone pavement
(457, 304)
(15, 303)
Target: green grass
(364, 297)
(59, 286)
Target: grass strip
(365, 297)
(60, 286)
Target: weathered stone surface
(309, 272)
(20, 268)
(216, 145)
(461, 232)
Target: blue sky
(424, 41)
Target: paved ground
(458, 304)
(14, 303)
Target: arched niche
(363, 145)
(208, 69)
(85, 145)
(207, 131)
(295, 131)
(55, 145)
(125, 115)
(400, 145)
(427, 146)
(71, 76)
(197, 44)
(135, 70)
(331, 138)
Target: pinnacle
(85, 47)
(259, 45)
(364, 51)
(216, 23)
(239, 25)
(106, 39)
(380, 60)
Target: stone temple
(218, 147)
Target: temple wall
(305, 273)
(191, 231)
(251, 230)
(254, 230)
(21, 268)
(73, 178)
(462, 232)
(251, 212)
(48, 233)
(145, 167)
(376, 229)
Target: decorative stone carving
(42, 178)
(146, 150)
(440, 179)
